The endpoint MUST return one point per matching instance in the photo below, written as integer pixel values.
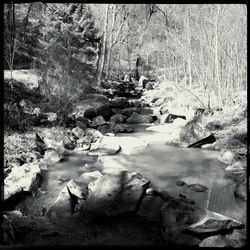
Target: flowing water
(161, 164)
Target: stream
(162, 164)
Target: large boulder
(138, 118)
(21, 178)
(213, 223)
(105, 111)
(114, 194)
(52, 138)
(193, 131)
(62, 207)
(119, 102)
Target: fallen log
(207, 140)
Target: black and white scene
(124, 125)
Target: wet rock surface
(114, 194)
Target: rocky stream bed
(124, 171)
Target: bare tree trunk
(216, 56)
(103, 47)
(111, 40)
(189, 52)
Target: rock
(104, 129)
(121, 128)
(84, 143)
(51, 117)
(193, 131)
(118, 118)
(149, 86)
(150, 207)
(176, 216)
(236, 239)
(82, 122)
(51, 156)
(64, 178)
(43, 165)
(213, 223)
(227, 156)
(138, 118)
(98, 121)
(26, 106)
(171, 117)
(129, 111)
(52, 138)
(88, 177)
(37, 111)
(78, 132)
(110, 134)
(21, 178)
(8, 235)
(114, 194)
(105, 145)
(90, 113)
(80, 191)
(94, 134)
(119, 102)
(62, 207)
(235, 167)
(240, 190)
(135, 104)
(70, 145)
(105, 111)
